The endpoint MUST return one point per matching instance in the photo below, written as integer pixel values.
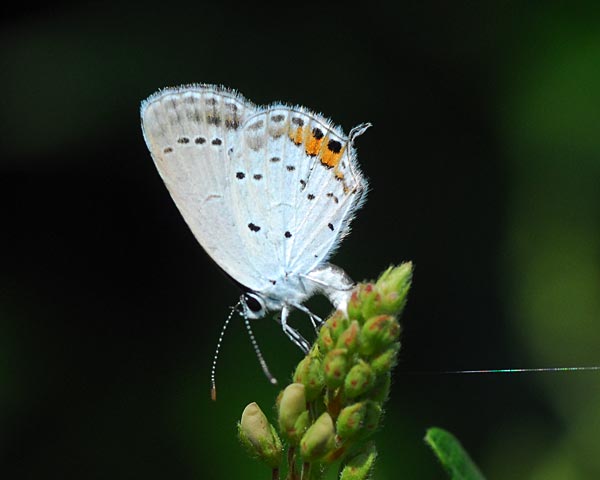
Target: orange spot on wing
(297, 135)
(313, 146)
(331, 159)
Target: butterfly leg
(292, 333)
(314, 319)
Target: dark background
(484, 170)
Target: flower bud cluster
(336, 400)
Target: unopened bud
(337, 323)
(300, 428)
(360, 466)
(291, 405)
(381, 390)
(349, 421)
(359, 380)
(394, 285)
(384, 362)
(371, 419)
(318, 439)
(324, 340)
(259, 436)
(308, 372)
(335, 367)
(378, 333)
(349, 338)
(363, 301)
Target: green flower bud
(291, 405)
(364, 299)
(350, 420)
(309, 373)
(337, 323)
(393, 286)
(300, 428)
(349, 338)
(380, 391)
(384, 362)
(371, 419)
(359, 380)
(318, 439)
(324, 340)
(360, 466)
(378, 333)
(259, 436)
(335, 367)
(354, 303)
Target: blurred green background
(484, 164)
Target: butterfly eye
(254, 304)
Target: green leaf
(454, 458)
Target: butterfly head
(253, 305)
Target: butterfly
(268, 191)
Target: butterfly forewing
(332, 190)
(296, 189)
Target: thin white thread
(528, 370)
(511, 370)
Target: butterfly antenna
(261, 359)
(213, 370)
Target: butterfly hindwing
(189, 132)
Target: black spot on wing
(213, 120)
(232, 123)
(334, 146)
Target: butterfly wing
(331, 190)
(189, 132)
(298, 181)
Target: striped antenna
(261, 359)
(213, 370)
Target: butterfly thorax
(288, 290)
(292, 290)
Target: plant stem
(275, 474)
(305, 471)
(291, 459)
